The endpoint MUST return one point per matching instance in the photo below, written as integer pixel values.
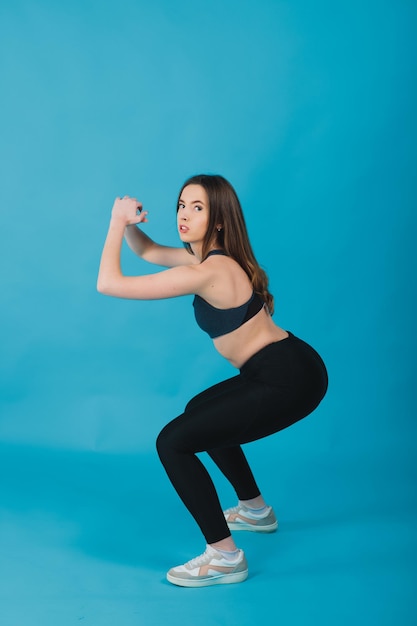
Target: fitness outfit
(276, 387)
(218, 322)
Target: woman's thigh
(230, 413)
(213, 392)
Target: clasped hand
(128, 210)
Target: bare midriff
(238, 346)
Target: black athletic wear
(217, 322)
(277, 386)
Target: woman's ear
(219, 227)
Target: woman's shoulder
(222, 265)
(225, 283)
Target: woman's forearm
(153, 252)
(137, 241)
(110, 268)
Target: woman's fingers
(130, 209)
(142, 217)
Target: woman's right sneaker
(241, 517)
(210, 568)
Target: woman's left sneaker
(241, 517)
(210, 568)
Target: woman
(281, 379)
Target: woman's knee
(169, 440)
(162, 442)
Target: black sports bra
(217, 322)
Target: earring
(218, 229)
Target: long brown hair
(225, 209)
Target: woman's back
(229, 288)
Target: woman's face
(193, 214)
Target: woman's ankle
(227, 544)
(255, 503)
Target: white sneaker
(210, 568)
(241, 517)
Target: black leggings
(279, 385)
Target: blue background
(308, 108)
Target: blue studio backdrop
(308, 108)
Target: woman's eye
(198, 208)
(181, 206)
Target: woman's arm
(177, 281)
(150, 251)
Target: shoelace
(233, 509)
(200, 560)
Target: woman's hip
(291, 363)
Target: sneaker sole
(271, 528)
(226, 579)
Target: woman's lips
(183, 228)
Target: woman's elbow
(112, 287)
(103, 287)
